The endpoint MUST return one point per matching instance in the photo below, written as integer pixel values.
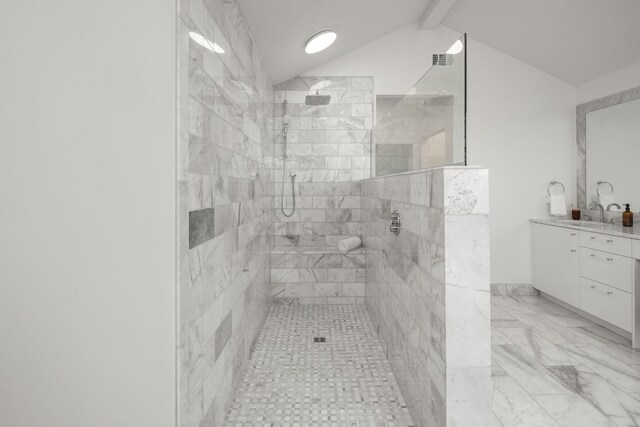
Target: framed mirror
(608, 138)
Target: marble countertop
(595, 227)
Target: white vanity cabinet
(592, 271)
(611, 269)
(605, 242)
(606, 278)
(556, 262)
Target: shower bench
(317, 275)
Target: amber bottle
(627, 217)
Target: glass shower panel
(427, 126)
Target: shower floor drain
(319, 339)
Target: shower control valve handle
(395, 223)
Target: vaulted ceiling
(574, 40)
(281, 28)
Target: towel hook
(601, 183)
(555, 183)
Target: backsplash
(594, 215)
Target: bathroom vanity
(591, 268)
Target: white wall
(621, 80)
(521, 124)
(87, 202)
(396, 61)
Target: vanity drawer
(607, 303)
(636, 249)
(611, 269)
(605, 242)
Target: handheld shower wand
(286, 121)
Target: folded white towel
(606, 200)
(345, 245)
(557, 205)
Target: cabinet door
(556, 262)
(607, 303)
(610, 269)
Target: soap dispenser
(627, 217)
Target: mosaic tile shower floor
(292, 380)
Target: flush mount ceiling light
(205, 42)
(455, 48)
(320, 41)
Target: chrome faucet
(613, 204)
(598, 205)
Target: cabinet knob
(593, 286)
(593, 255)
(609, 293)
(609, 241)
(573, 250)
(609, 259)
(573, 234)
(593, 237)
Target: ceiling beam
(434, 14)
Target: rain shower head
(317, 99)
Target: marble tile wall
(329, 150)
(428, 289)
(317, 275)
(225, 116)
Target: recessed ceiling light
(205, 42)
(455, 48)
(320, 41)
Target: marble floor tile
(614, 344)
(605, 396)
(511, 306)
(550, 330)
(536, 346)
(498, 338)
(531, 375)
(572, 411)
(499, 313)
(552, 367)
(514, 407)
(599, 361)
(345, 380)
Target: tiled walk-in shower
(405, 317)
(318, 365)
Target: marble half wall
(428, 289)
(225, 117)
